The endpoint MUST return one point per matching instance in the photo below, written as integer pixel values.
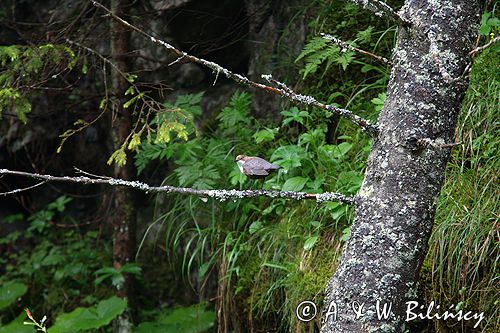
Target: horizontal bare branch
(382, 9)
(359, 121)
(220, 195)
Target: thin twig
(365, 125)
(23, 189)
(345, 46)
(480, 49)
(220, 195)
(90, 174)
(381, 9)
(217, 69)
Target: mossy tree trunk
(406, 166)
(123, 202)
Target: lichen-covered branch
(359, 121)
(345, 46)
(365, 125)
(220, 195)
(381, 9)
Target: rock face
(406, 167)
(275, 32)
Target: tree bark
(123, 202)
(394, 217)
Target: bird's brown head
(241, 158)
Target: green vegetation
(254, 258)
(463, 260)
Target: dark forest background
(79, 91)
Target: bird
(255, 167)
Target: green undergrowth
(268, 254)
(462, 264)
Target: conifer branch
(220, 195)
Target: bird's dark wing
(250, 170)
(260, 163)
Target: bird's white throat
(240, 165)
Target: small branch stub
(417, 144)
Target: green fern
(319, 50)
(313, 46)
(237, 113)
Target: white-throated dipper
(255, 167)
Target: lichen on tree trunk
(394, 217)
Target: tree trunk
(395, 214)
(123, 201)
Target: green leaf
(337, 151)
(60, 203)
(10, 292)
(295, 184)
(350, 181)
(17, 326)
(110, 308)
(315, 44)
(192, 319)
(277, 266)
(89, 318)
(13, 218)
(254, 227)
(346, 233)
(310, 242)
(315, 137)
(131, 268)
(485, 27)
(236, 115)
(264, 135)
(379, 101)
(131, 101)
(289, 157)
(202, 271)
(294, 114)
(337, 210)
